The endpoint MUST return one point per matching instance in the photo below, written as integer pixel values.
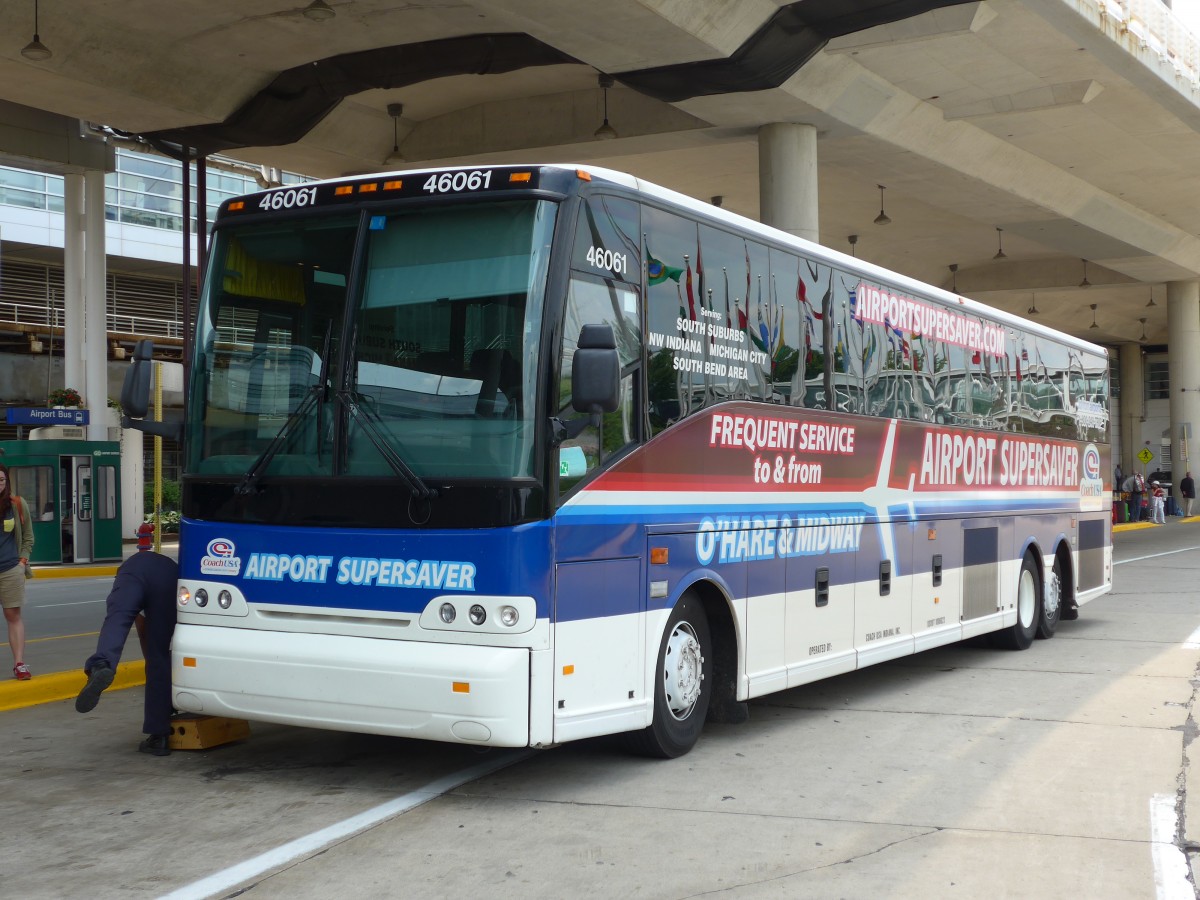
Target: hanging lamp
(35, 49)
(605, 132)
(882, 218)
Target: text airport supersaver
(365, 571)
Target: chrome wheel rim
(683, 671)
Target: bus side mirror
(135, 391)
(135, 395)
(596, 371)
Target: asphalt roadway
(1062, 771)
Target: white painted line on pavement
(1170, 866)
(1121, 562)
(319, 840)
(70, 603)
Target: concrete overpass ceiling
(1021, 114)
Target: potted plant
(65, 397)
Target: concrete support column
(787, 179)
(73, 265)
(1183, 362)
(95, 389)
(1133, 408)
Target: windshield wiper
(368, 419)
(250, 479)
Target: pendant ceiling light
(1033, 310)
(1000, 254)
(1093, 325)
(35, 49)
(882, 218)
(605, 132)
(853, 239)
(319, 11)
(1142, 339)
(953, 267)
(1085, 283)
(395, 158)
(1151, 302)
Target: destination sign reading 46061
(386, 187)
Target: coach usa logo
(220, 558)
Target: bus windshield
(431, 360)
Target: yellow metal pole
(157, 459)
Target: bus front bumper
(440, 692)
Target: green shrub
(170, 495)
(170, 522)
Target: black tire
(682, 684)
(1029, 609)
(1052, 602)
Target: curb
(63, 686)
(74, 572)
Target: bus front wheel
(683, 682)
(1029, 608)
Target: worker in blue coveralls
(145, 584)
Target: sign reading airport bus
(43, 416)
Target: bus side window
(592, 301)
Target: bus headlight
(184, 595)
(478, 614)
(509, 616)
(447, 613)
(201, 597)
(224, 599)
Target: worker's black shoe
(158, 744)
(98, 681)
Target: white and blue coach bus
(517, 455)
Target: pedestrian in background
(1158, 499)
(1187, 489)
(1134, 486)
(145, 584)
(16, 543)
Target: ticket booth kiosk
(73, 490)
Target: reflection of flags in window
(869, 349)
(691, 296)
(728, 320)
(657, 272)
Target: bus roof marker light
(368, 187)
(514, 177)
(236, 205)
(393, 185)
(460, 687)
(343, 190)
(582, 175)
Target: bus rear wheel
(682, 684)
(1029, 607)
(1052, 602)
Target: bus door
(76, 502)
